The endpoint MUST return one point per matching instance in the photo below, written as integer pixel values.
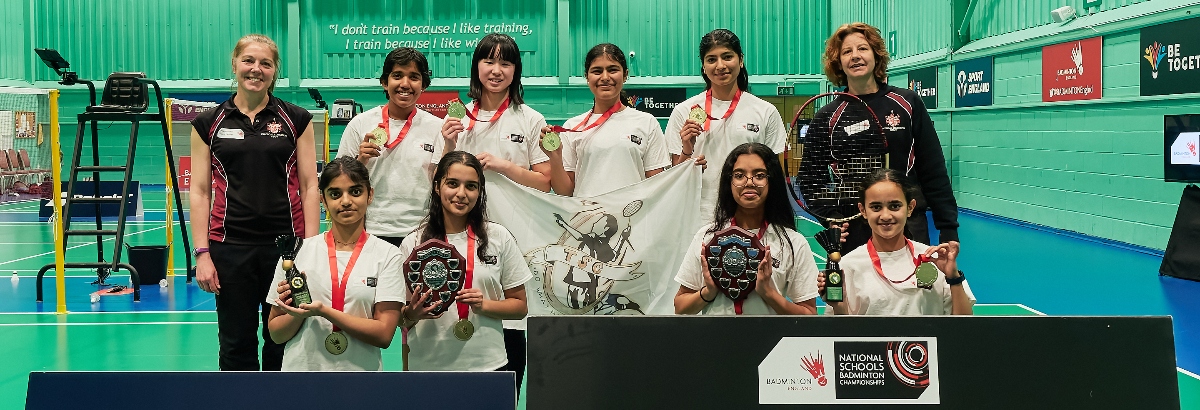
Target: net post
(170, 191)
(59, 241)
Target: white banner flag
(612, 254)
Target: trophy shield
(733, 256)
(435, 265)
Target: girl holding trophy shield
(468, 335)
(753, 197)
(610, 146)
(352, 280)
(893, 275)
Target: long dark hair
(724, 37)
(777, 209)
(498, 45)
(611, 51)
(435, 225)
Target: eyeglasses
(741, 179)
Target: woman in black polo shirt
(254, 178)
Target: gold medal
(336, 343)
(456, 109)
(378, 136)
(551, 141)
(698, 115)
(926, 275)
(464, 329)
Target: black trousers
(514, 345)
(245, 273)
(394, 240)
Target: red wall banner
(436, 101)
(1072, 70)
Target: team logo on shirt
(578, 272)
(371, 281)
(751, 127)
(517, 138)
(489, 259)
(427, 147)
(893, 122)
(774, 262)
(275, 129)
(635, 139)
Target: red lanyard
(708, 107)
(385, 122)
(917, 260)
(463, 308)
(471, 115)
(599, 121)
(737, 304)
(339, 287)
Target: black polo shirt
(255, 172)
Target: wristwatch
(196, 252)
(956, 281)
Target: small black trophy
(288, 246)
(831, 240)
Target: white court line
(1181, 370)
(1031, 309)
(105, 324)
(78, 246)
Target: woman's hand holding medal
(946, 259)
(368, 148)
(472, 297)
(304, 310)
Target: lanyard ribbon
(463, 308)
(472, 115)
(339, 287)
(917, 260)
(708, 98)
(385, 124)
(737, 304)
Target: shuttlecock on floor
(95, 298)
(162, 283)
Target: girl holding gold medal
(497, 127)
(893, 275)
(610, 146)
(712, 123)
(353, 282)
(395, 141)
(467, 336)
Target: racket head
(842, 144)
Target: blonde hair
(249, 39)
(831, 60)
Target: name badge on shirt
(231, 133)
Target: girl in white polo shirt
(496, 276)
(353, 279)
(397, 151)
(883, 278)
(612, 145)
(732, 117)
(752, 196)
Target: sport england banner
(924, 83)
(1170, 58)
(973, 82)
(1071, 71)
(612, 254)
(850, 370)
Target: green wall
(1093, 167)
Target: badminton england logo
(579, 271)
(1154, 53)
(816, 367)
(1184, 149)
